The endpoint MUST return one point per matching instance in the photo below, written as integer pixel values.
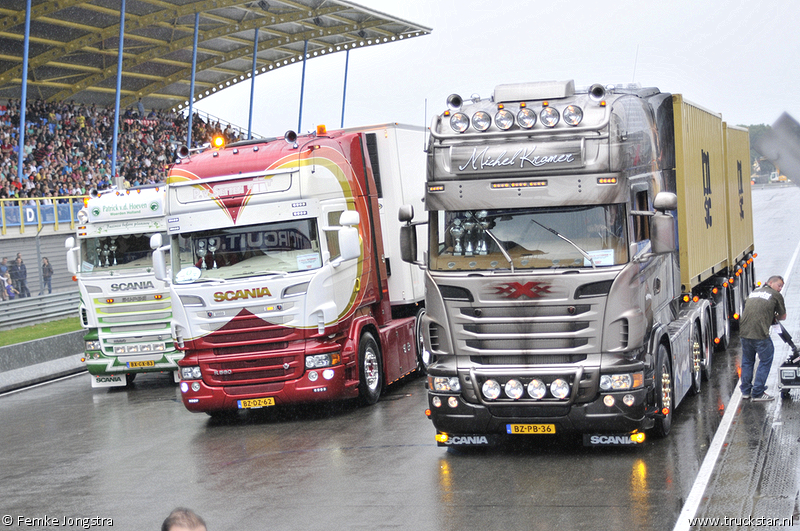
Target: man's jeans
(765, 350)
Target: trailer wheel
(423, 354)
(664, 394)
(697, 361)
(370, 381)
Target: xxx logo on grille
(515, 290)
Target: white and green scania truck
(126, 312)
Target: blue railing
(33, 213)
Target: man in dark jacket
(763, 308)
(19, 277)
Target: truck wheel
(697, 361)
(370, 381)
(423, 354)
(129, 377)
(664, 394)
(785, 393)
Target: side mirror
(408, 243)
(349, 244)
(406, 213)
(663, 239)
(349, 218)
(73, 254)
(159, 260)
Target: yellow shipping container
(702, 192)
(740, 206)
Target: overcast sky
(736, 58)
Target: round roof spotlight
(549, 117)
(526, 118)
(459, 122)
(481, 121)
(454, 101)
(504, 120)
(597, 92)
(573, 115)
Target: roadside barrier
(39, 309)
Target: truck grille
(526, 334)
(251, 351)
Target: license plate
(256, 402)
(134, 364)
(530, 429)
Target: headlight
(537, 389)
(559, 388)
(459, 122)
(93, 345)
(549, 117)
(481, 121)
(526, 118)
(491, 389)
(617, 382)
(514, 389)
(445, 384)
(504, 120)
(318, 361)
(573, 115)
(191, 373)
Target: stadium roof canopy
(73, 44)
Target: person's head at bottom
(182, 519)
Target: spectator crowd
(68, 147)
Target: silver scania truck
(588, 250)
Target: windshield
(238, 252)
(567, 237)
(116, 253)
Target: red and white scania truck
(286, 271)
(588, 250)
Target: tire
(665, 393)
(370, 376)
(697, 361)
(424, 357)
(785, 393)
(129, 378)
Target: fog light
(491, 389)
(328, 374)
(608, 400)
(195, 386)
(628, 400)
(537, 389)
(312, 376)
(436, 401)
(184, 387)
(513, 389)
(559, 388)
(452, 401)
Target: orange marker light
(219, 141)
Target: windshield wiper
(584, 253)
(502, 248)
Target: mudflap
(109, 380)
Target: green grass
(29, 333)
